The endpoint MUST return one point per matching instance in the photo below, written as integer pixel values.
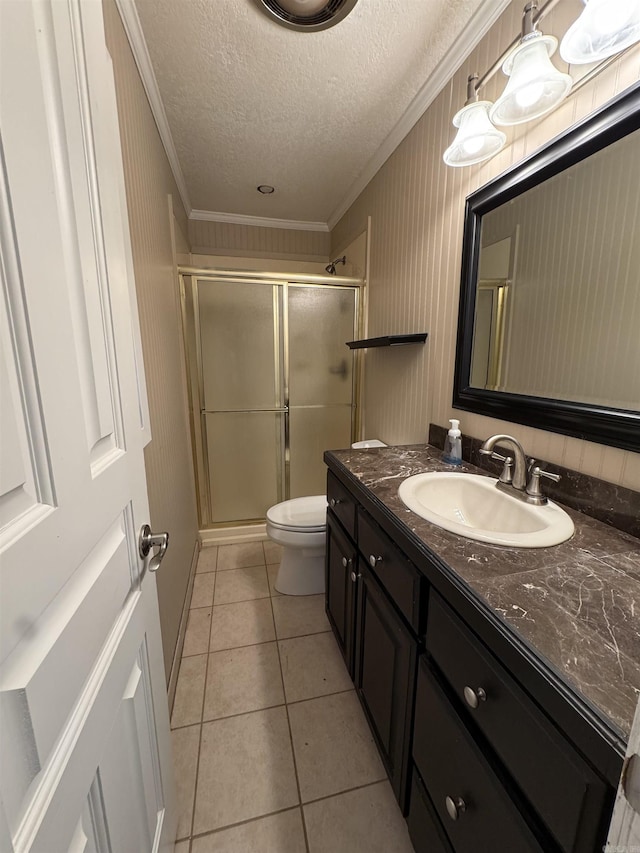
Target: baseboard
(182, 630)
(233, 535)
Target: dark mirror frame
(615, 427)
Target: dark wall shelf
(388, 341)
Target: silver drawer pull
(354, 577)
(346, 562)
(474, 697)
(373, 560)
(455, 807)
(334, 502)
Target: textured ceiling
(250, 102)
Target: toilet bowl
(300, 525)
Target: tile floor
(272, 751)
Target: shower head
(331, 268)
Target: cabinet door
(475, 809)
(385, 677)
(340, 573)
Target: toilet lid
(307, 513)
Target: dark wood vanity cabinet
(372, 602)
(340, 588)
(476, 763)
(385, 666)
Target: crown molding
(478, 25)
(258, 221)
(133, 29)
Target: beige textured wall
(416, 205)
(168, 456)
(223, 238)
(238, 262)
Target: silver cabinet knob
(455, 807)
(334, 502)
(148, 540)
(474, 697)
(354, 577)
(373, 560)
(346, 562)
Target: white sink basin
(472, 506)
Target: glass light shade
(604, 28)
(477, 139)
(535, 85)
(303, 8)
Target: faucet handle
(506, 475)
(533, 486)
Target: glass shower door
(242, 396)
(320, 321)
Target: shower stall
(271, 385)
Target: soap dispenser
(452, 453)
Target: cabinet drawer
(568, 796)
(396, 573)
(342, 504)
(425, 830)
(458, 777)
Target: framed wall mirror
(549, 321)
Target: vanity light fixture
(477, 139)
(535, 85)
(604, 28)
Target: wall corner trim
(478, 25)
(133, 29)
(257, 221)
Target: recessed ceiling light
(265, 189)
(306, 14)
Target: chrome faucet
(513, 478)
(518, 480)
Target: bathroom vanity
(499, 693)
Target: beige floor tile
(333, 746)
(312, 666)
(181, 847)
(243, 680)
(272, 551)
(241, 585)
(277, 833)
(185, 744)
(242, 624)
(364, 821)
(272, 574)
(202, 595)
(207, 559)
(297, 615)
(232, 783)
(196, 640)
(187, 706)
(241, 555)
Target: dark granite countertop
(576, 605)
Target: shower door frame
(197, 413)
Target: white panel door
(84, 733)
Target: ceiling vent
(310, 15)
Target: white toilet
(300, 525)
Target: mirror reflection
(557, 310)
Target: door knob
(149, 540)
(455, 807)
